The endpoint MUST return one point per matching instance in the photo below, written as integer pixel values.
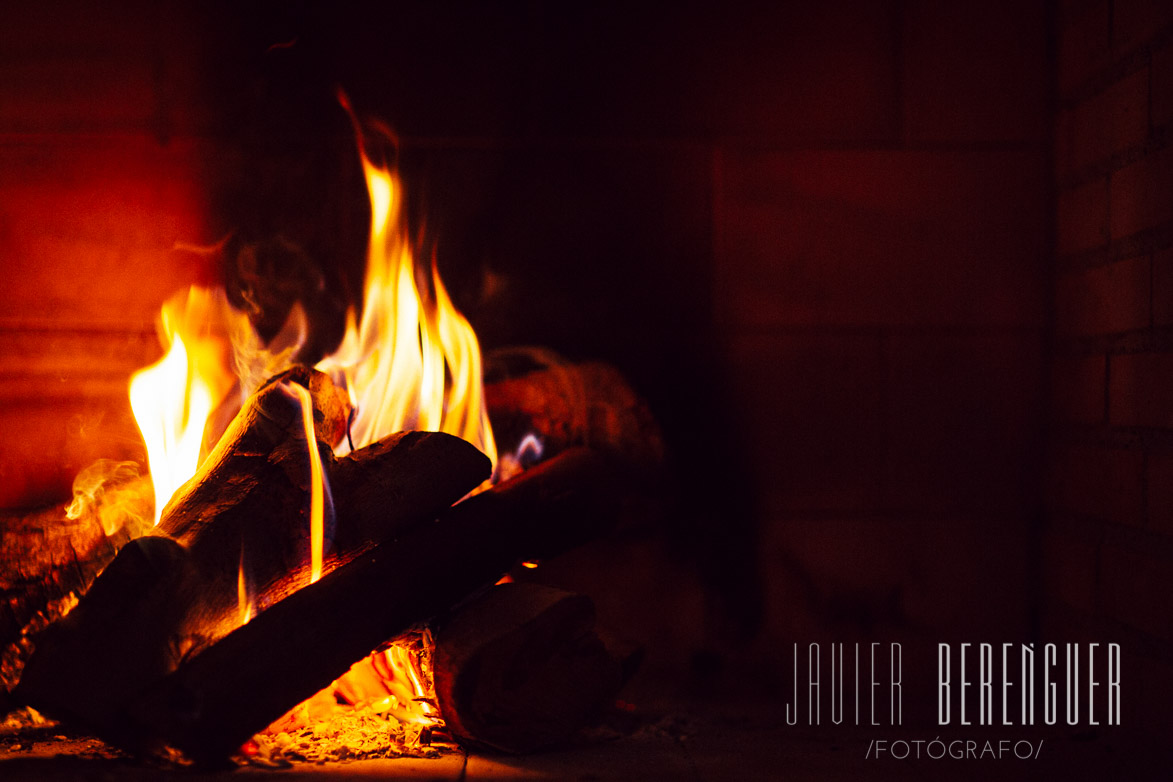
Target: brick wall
(1108, 544)
(814, 235)
(881, 295)
(100, 175)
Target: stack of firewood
(154, 655)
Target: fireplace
(892, 279)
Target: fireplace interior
(895, 278)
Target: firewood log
(218, 699)
(49, 557)
(168, 595)
(521, 668)
(534, 391)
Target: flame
(317, 481)
(412, 361)
(172, 432)
(399, 674)
(247, 608)
(528, 452)
(173, 398)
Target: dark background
(893, 276)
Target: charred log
(168, 595)
(522, 668)
(49, 557)
(533, 391)
(217, 700)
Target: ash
(348, 734)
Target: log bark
(168, 595)
(522, 668)
(217, 700)
(48, 559)
(534, 391)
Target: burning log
(534, 391)
(218, 699)
(168, 595)
(522, 668)
(51, 556)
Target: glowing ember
(384, 706)
(243, 594)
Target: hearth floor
(691, 744)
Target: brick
(77, 96)
(1104, 300)
(1084, 42)
(1140, 390)
(1147, 706)
(1105, 482)
(1160, 490)
(1083, 217)
(87, 227)
(73, 67)
(809, 407)
(55, 438)
(1136, 22)
(876, 575)
(1078, 389)
(974, 72)
(865, 563)
(1064, 142)
(1163, 287)
(45, 361)
(71, 27)
(1161, 108)
(1136, 583)
(1141, 195)
(1111, 121)
(768, 72)
(964, 421)
(971, 576)
(479, 54)
(880, 236)
(1070, 569)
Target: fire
(173, 398)
(172, 433)
(412, 361)
(317, 481)
(245, 605)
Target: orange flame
(317, 481)
(172, 433)
(412, 361)
(173, 398)
(246, 607)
